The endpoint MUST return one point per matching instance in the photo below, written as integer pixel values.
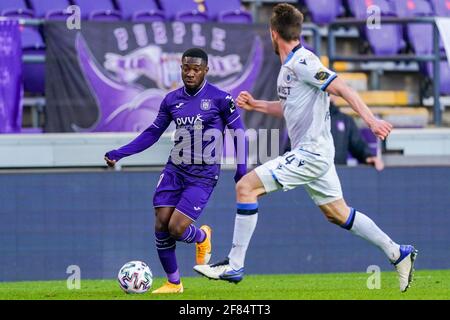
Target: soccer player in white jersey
(304, 85)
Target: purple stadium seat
(358, 8)
(142, 10)
(419, 35)
(324, 11)
(145, 16)
(441, 7)
(384, 41)
(34, 74)
(186, 11)
(50, 10)
(235, 17)
(99, 10)
(445, 76)
(31, 39)
(229, 11)
(15, 8)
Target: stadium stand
(441, 7)
(141, 10)
(50, 10)
(388, 39)
(324, 11)
(418, 37)
(227, 11)
(99, 10)
(391, 39)
(15, 8)
(185, 11)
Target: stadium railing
(435, 58)
(36, 104)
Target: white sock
(244, 226)
(365, 228)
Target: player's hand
(245, 101)
(110, 163)
(380, 128)
(376, 162)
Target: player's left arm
(233, 120)
(379, 127)
(144, 140)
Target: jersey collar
(198, 91)
(291, 54)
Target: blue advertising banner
(11, 88)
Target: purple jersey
(209, 108)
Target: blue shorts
(186, 193)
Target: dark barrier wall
(99, 221)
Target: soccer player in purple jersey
(185, 186)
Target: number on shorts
(290, 158)
(160, 179)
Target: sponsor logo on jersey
(231, 103)
(302, 61)
(284, 92)
(322, 75)
(178, 106)
(190, 122)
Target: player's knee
(243, 189)
(176, 230)
(161, 225)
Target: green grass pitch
(427, 285)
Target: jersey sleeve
(164, 117)
(310, 70)
(228, 110)
(147, 138)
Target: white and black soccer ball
(135, 277)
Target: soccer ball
(135, 277)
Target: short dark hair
(287, 20)
(196, 53)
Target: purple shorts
(187, 193)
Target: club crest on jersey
(288, 77)
(205, 104)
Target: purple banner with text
(11, 89)
(112, 77)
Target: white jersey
(306, 106)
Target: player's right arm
(145, 140)
(246, 101)
(379, 127)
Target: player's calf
(336, 212)
(249, 188)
